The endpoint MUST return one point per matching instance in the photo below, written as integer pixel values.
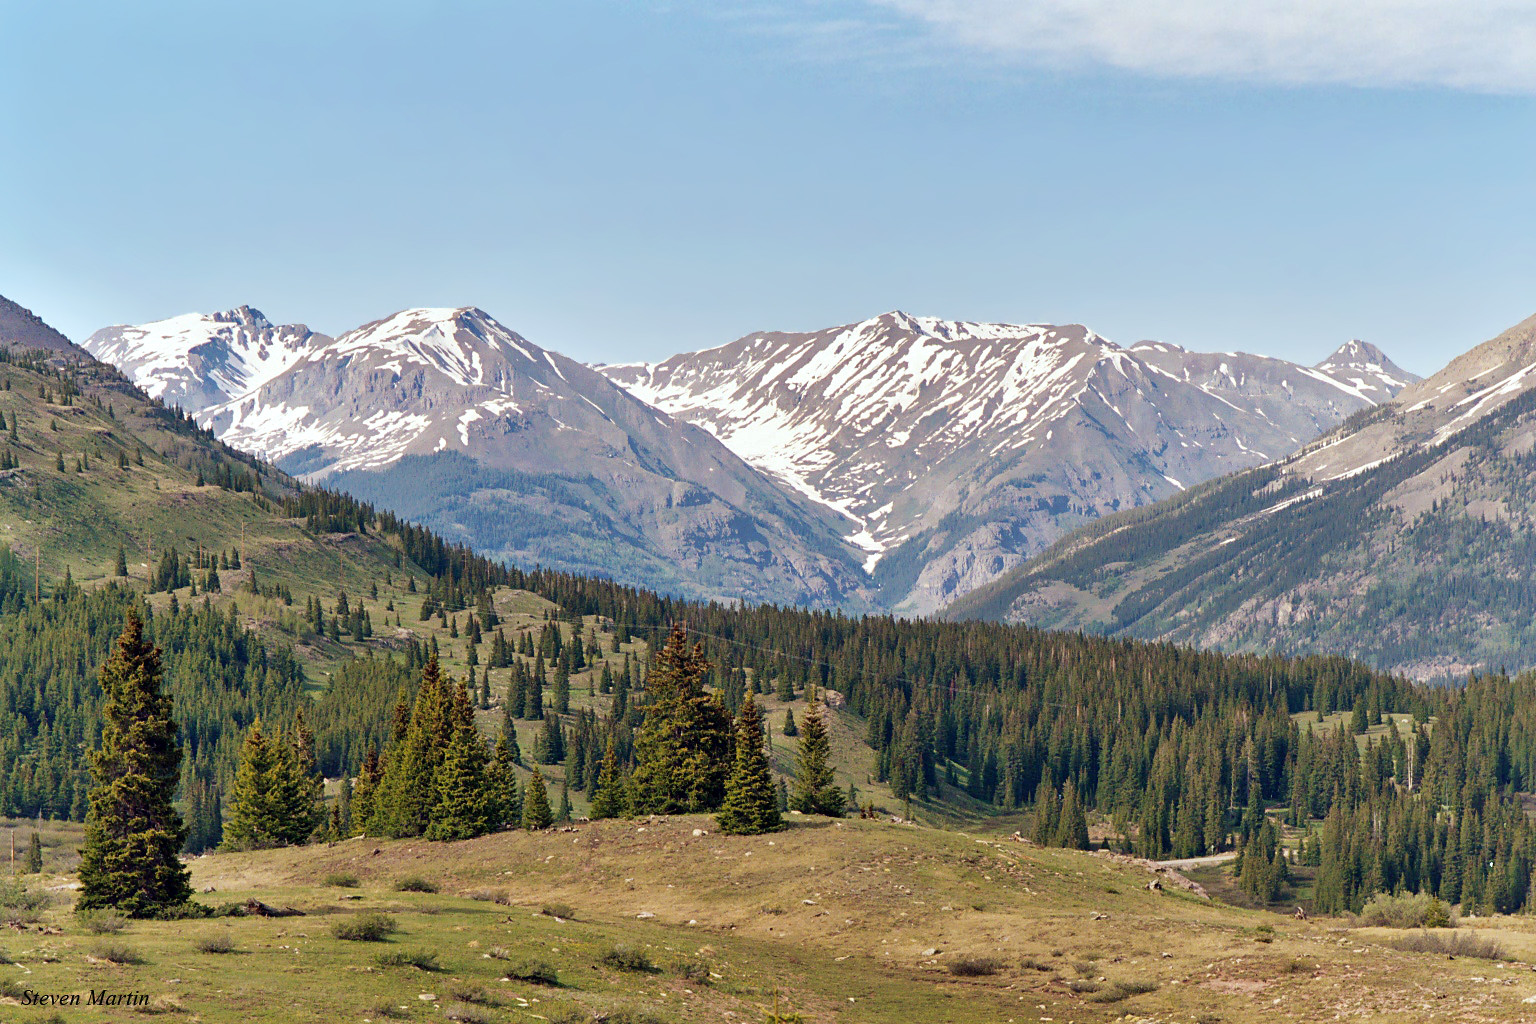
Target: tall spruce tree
(462, 803)
(34, 859)
(683, 748)
(133, 835)
(403, 804)
(751, 802)
(536, 813)
(611, 800)
(816, 789)
(506, 806)
(255, 819)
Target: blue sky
(621, 180)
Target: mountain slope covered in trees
(451, 419)
(1404, 538)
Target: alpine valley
(899, 462)
(1404, 537)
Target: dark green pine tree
(403, 805)
(1072, 831)
(506, 806)
(122, 562)
(255, 821)
(535, 708)
(790, 729)
(462, 806)
(751, 802)
(816, 789)
(133, 835)
(34, 861)
(611, 799)
(517, 691)
(298, 789)
(562, 691)
(564, 813)
(549, 747)
(683, 748)
(368, 779)
(536, 813)
(781, 795)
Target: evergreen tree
(255, 816)
(564, 813)
(1072, 831)
(462, 806)
(751, 802)
(506, 804)
(535, 708)
(611, 799)
(34, 860)
(789, 723)
(403, 804)
(298, 790)
(781, 795)
(133, 834)
(816, 789)
(536, 813)
(683, 748)
(363, 793)
(122, 562)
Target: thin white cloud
(1475, 45)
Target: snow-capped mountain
(956, 450)
(201, 359)
(449, 417)
(1404, 537)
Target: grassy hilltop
(853, 921)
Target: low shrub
(342, 880)
(1449, 943)
(563, 911)
(973, 966)
(102, 922)
(627, 958)
(403, 958)
(16, 896)
(218, 942)
(389, 1011)
(415, 883)
(117, 953)
(691, 968)
(473, 994)
(1124, 988)
(1406, 910)
(1082, 985)
(539, 972)
(372, 927)
(1031, 963)
(468, 1013)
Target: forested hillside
(1404, 539)
(270, 600)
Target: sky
(626, 179)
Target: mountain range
(1405, 537)
(957, 450)
(899, 462)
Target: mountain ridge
(1008, 435)
(1404, 538)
